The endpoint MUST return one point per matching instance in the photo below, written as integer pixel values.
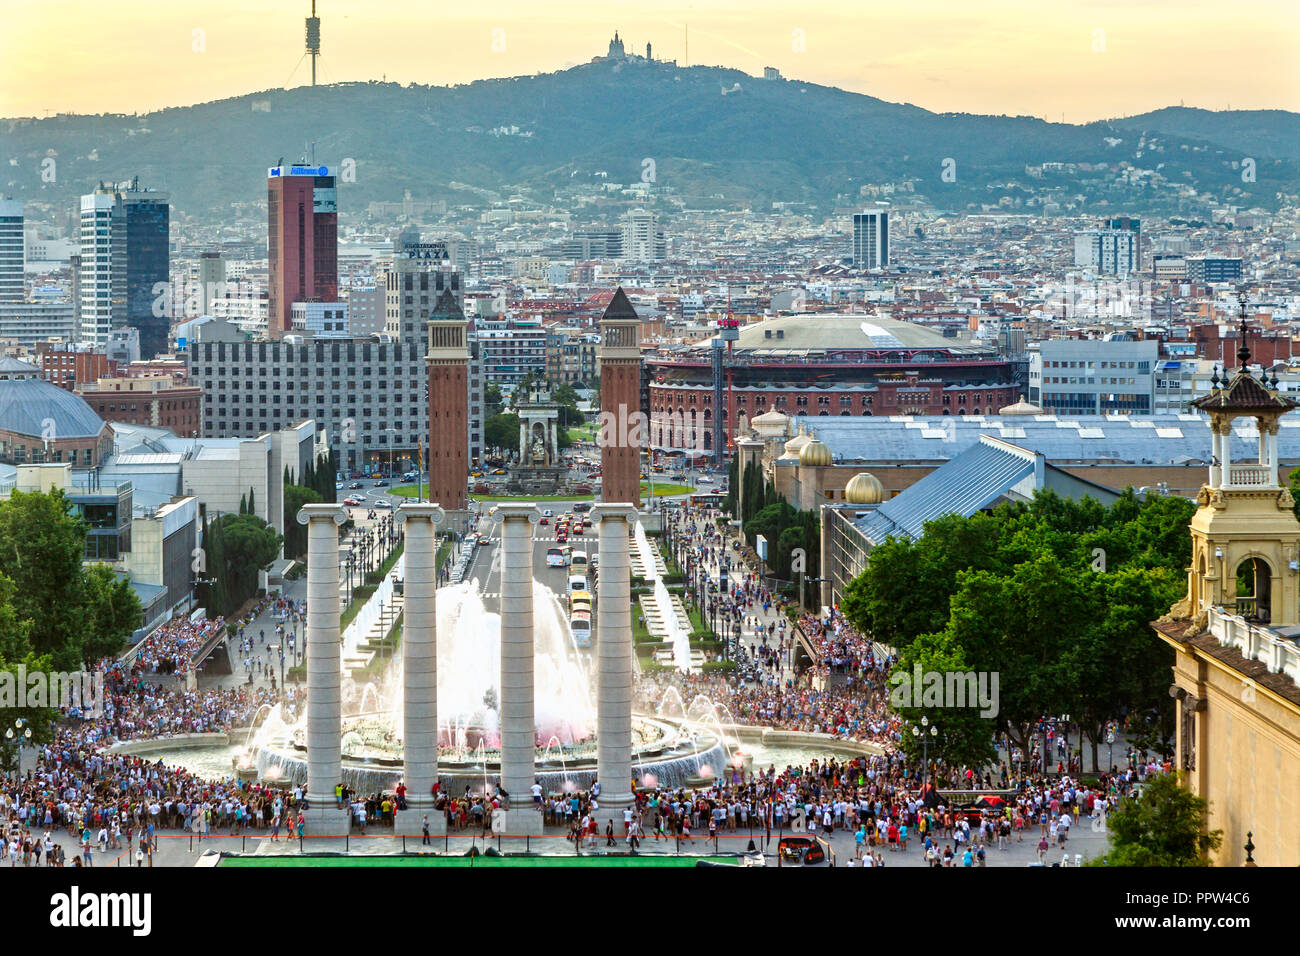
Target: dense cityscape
(653, 511)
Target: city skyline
(1081, 62)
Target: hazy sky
(1081, 59)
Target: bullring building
(821, 365)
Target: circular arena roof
(29, 405)
(822, 331)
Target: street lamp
(920, 733)
(22, 733)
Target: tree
(1163, 827)
(295, 537)
(42, 544)
(502, 431)
(113, 613)
(965, 738)
(249, 545)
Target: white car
(704, 480)
(383, 503)
(548, 513)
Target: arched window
(1254, 590)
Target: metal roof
(1152, 439)
(972, 481)
(32, 406)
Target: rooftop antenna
(313, 40)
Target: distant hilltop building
(616, 49)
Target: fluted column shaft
(516, 695)
(614, 658)
(324, 657)
(420, 655)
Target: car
(544, 520)
(356, 484)
(582, 489)
(352, 501)
(338, 486)
(548, 513)
(384, 503)
(704, 480)
(410, 476)
(381, 483)
(582, 506)
(561, 538)
(595, 560)
(483, 538)
(476, 474)
(499, 471)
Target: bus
(578, 563)
(558, 557)
(710, 499)
(580, 601)
(580, 625)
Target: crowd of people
(172, 646)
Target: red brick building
(69, 366)
(156, 401)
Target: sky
(1064, 60)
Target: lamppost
(23, 733)
(920, 733)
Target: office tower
(871, 239)
(212, 281)
(11, 250)
(103, 266)
(301, 242)
(146, 215)
(124, 259)
(642, 240)
(1130, 225)
(620, 398)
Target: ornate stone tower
(448, 359)
(620, 399)
(1245, 537)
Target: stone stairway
(372, 643)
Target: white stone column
(1273, 478)
(515, 699)
(420, 667)
(614, 659)
(324, 666)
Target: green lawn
(477, 861)
(661, 489)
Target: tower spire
(1243, 353)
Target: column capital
(422, 510)
(614, 509)
(322, 511)
(525, 510)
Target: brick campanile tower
(448, 359)
(620, 400)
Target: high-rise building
(642, 240)
(103, 266)
(212, 281)
(871, 239)
(11, 250)
(1112, 252)
(146, 215)
(124, 258)
(301, 242)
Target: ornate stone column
(324, 666)
(420, 667)
(515, 702)
(614, 659)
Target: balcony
(1256, 642)
(1248, 476)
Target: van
(558, 557)
(577, 582)
(578, 563)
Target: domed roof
(815, 454)
(795, 444)
(864, 489)
(29, 405)
(1021, 407)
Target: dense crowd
(171, 648)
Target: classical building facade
(1236, 670)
